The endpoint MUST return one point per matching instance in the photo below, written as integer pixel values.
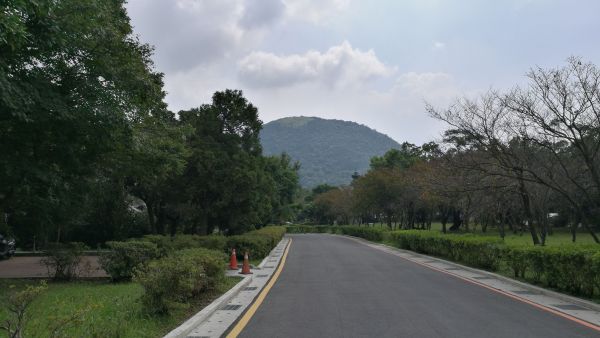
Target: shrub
(308, 229)
(477, 251)
(169, 282)
(17, 307)
(123, 257)
(163, 243)
(213, 242)
(371, 234)
(273, 233)
(62, 260)
(212, 261)
(256, 246)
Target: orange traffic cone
(233, 261)
(246, 265)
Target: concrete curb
(184, 329)
(190, 324)
(571, 299)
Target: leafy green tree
(72, 79)
(224, 173)
(402, 158)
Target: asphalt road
(336, 287)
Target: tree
(546, 134)
(380, 191)
(72, 78)
(224, 173)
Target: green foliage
(17, 304)
(213, 263)
(116, 310)
(371, 234)
(566, 268)
(73, 79)
(256, 246)
(343, 147)
(123, 257)
(307, 229)
(481, 252)
(169, 282)
(273, 233)
(213, 242)
(402, 158)
(62, 260)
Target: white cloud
(438, 45)
(189, 33)
(315, 11)
(340, 65)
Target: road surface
(332, 286)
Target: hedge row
(371, 234)
(476, 251)
(574, 269)
(120, 261)
(307, 229)
(567, 268)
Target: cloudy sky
(373, 62)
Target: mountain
(329, 151)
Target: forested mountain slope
(329, 151)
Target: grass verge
(106, 309)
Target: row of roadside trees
(522, 160)
(90, 152)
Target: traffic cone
(233, 261)
(246, 265)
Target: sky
(373, 62)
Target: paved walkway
(31, 267)
(333, 286)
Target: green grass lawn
(109, 310)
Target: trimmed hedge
(257, 242)
(480, 252)
(171, 281)
(574, 269)
(273, 233)
(371, 234)
(123, 257)
(307, 229)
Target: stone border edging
(184, 329)
(567, 298)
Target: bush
(123, 257)
(477, 251)
(574, 269)
(169, 282)
(213, 242)
(273, 233)
(256, 246)
(163, 243)
(62, 260)
(371, 234)
(307, 229)
(212, 261)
